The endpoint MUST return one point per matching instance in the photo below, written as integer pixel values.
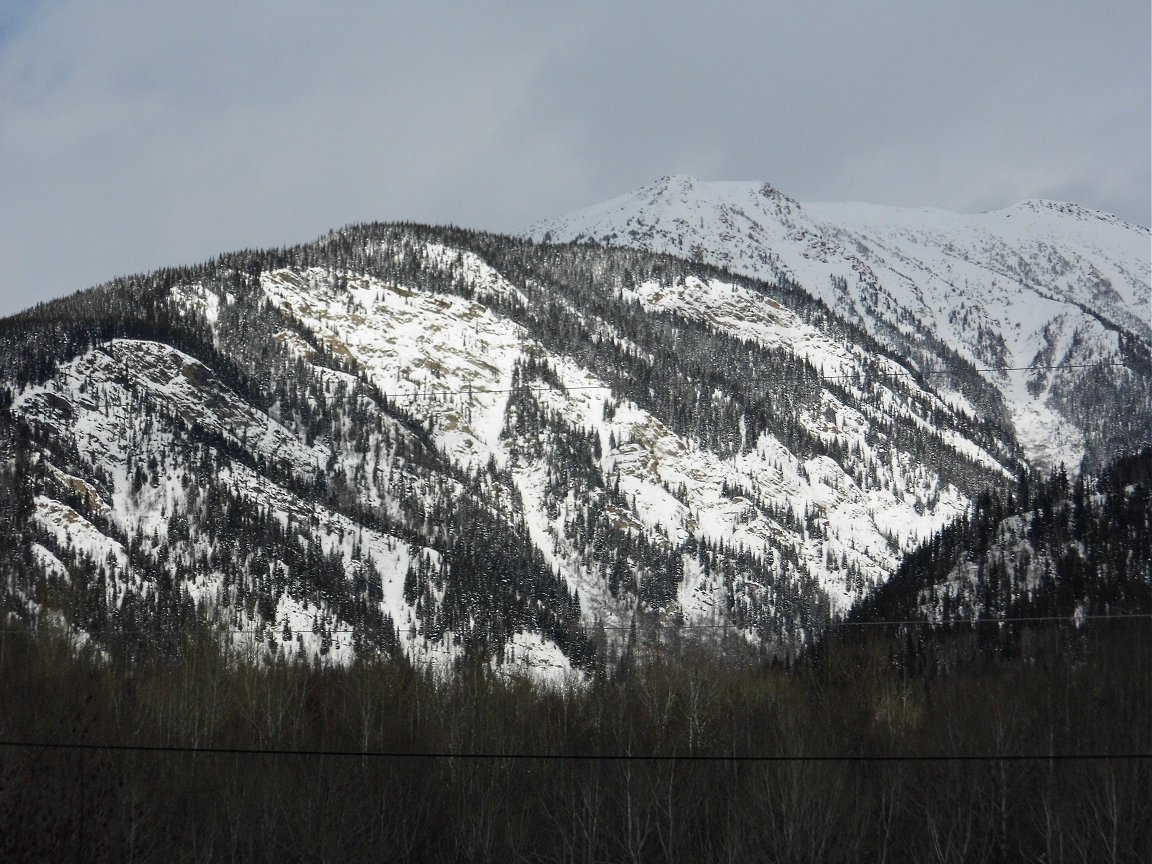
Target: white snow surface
(445, 355)
(1015, 287)
(451, 359)
(99, 399)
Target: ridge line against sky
(136, 135)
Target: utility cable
(987, 369)
(578, 757)
(277, 627)
(563, 387)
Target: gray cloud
(134, 135)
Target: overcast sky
(135, 135)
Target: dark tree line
(1054, 549)
(100, 805)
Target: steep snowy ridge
(125, 406)
(446, 355)
(1039, 283)
(458, 447)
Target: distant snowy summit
(1038, 284)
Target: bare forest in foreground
(859, 752)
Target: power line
(577, 757)
(641, 627)
(989, 369)
(1068, 619)
(563, 387)
(469, 392)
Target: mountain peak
(676, 186)
(1069, 210)
(685, 180)
(1045, 283)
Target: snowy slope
(1039, 283)
(457, 447)
(132, 403)
(451, 359)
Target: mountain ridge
(435, 443)
(1061, 285)
(454, 447)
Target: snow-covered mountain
(1037, 284)
(460, 447)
